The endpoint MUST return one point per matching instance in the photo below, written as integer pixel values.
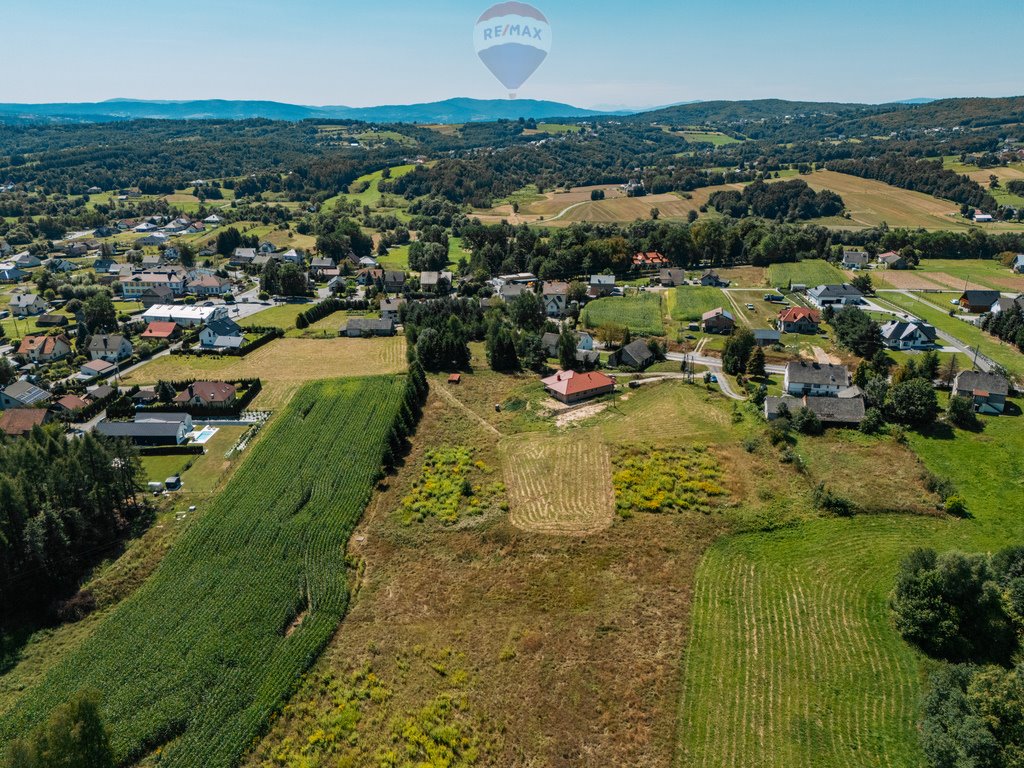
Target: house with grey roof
(987, 391)
(902, 334)
(149, 429)
(358, 327)
(835, 296)
(804, 377)
(831, 411)
(22, 394)
(223, 333)
(636, 355)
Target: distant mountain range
(449, 111)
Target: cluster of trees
(339, 236)
(1007, 325)
(855, 330)
(967, 610)
(514, 335)
(73, 736)
(230, 238)
(926, 176)
(283, 279)
(61, 502)
(783, 200)
(742, 355)
(440, 331)
(430, 251)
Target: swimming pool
(203, 435)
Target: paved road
(713, 364)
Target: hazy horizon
(312, 52)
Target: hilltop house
(25, 304)
(208, 394)
(113, 347)
(987, 391)
(572, 387)
(718, 320)
(799, 320)
(978, 302)
(899, 334)
(835, 296)
(815, 379)
(45, 349)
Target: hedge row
(328, 307)
(172, 450)
(268, 335)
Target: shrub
(873, 422)
(960, 413)
(956, 506)
(827, 501)
(807, 422)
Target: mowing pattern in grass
(792, 660)
(811, 272)
(640, 312)
(689, 303)
(198, 659)
(559, 484)
(650, 480)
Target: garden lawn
(689, 302)
(810, 272)
(640, 312)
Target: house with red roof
(158, 331)
(799, 320)
(18, 422)
(45, 349)
(572, 387)
(207, 394)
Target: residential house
(318, 265)
(671, 278)
(25, 304)
(831, 411)
(835, 296)
(370, 277)
(767, 337)
(26, 260)
(11, 274)
(45, 349)
(978, 302)
(262, 259)
(152, 260)
(394, 280)
(133, 286)
(1004, 304)
(718, 320)
(102, 265)
(208, 394)
(556, 298)
(69, 404)
(511, 291)
(150, 429)
(900, 334)
(96, 369)
(161, 332)
(266, 247)
(799, 320)
(1017, 266)
(982, 218)
(987, 391)
(601, 285)
(101, 392)
(710, 278)
(892, 260)
(815, 379)
(242, 257)
(584, 343)
(110, 347)
(390, 308)
(22, 394)
(292, 256)
(221, 334)
(213, 219)
(368, 326)
(855, 259)
(153, 239)
(18, 422)
(636, 355)
(209, 285)
(572, 387)
(649, 260)
(435, 282)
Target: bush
(873, 422)
(832, 503)
(956, 506)
(960, 413)
(912, 402)
(806, 422)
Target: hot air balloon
(512, 39)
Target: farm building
(718, 320)
(988, 391)
(815, 379)
(52, 321)
(830, 410)
(150, 429)
(571, 387)
(637, 354)
(799, 320)
(978, 302)
(368, 326)
(766, 337)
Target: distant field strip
(198, 659)
(559, 485)
(792, 660)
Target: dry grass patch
(906, 280)
(559, 485)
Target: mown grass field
(283, 365)
(640, 312)
(1004, 354)
(708, 137)
(689, 302)
(981, 273)
(198, 659)
(811, 272)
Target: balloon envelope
(512, 39)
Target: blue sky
(604, 53)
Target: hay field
(559, 484)
(283, 365)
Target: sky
(604, 53)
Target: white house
(556, 298)
(185, 316)
(1018, 264)
(25, 304)
(815, 379)
(898, 334)
(134, 285)
(110, 347)
(221, 334)
(835, 296)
